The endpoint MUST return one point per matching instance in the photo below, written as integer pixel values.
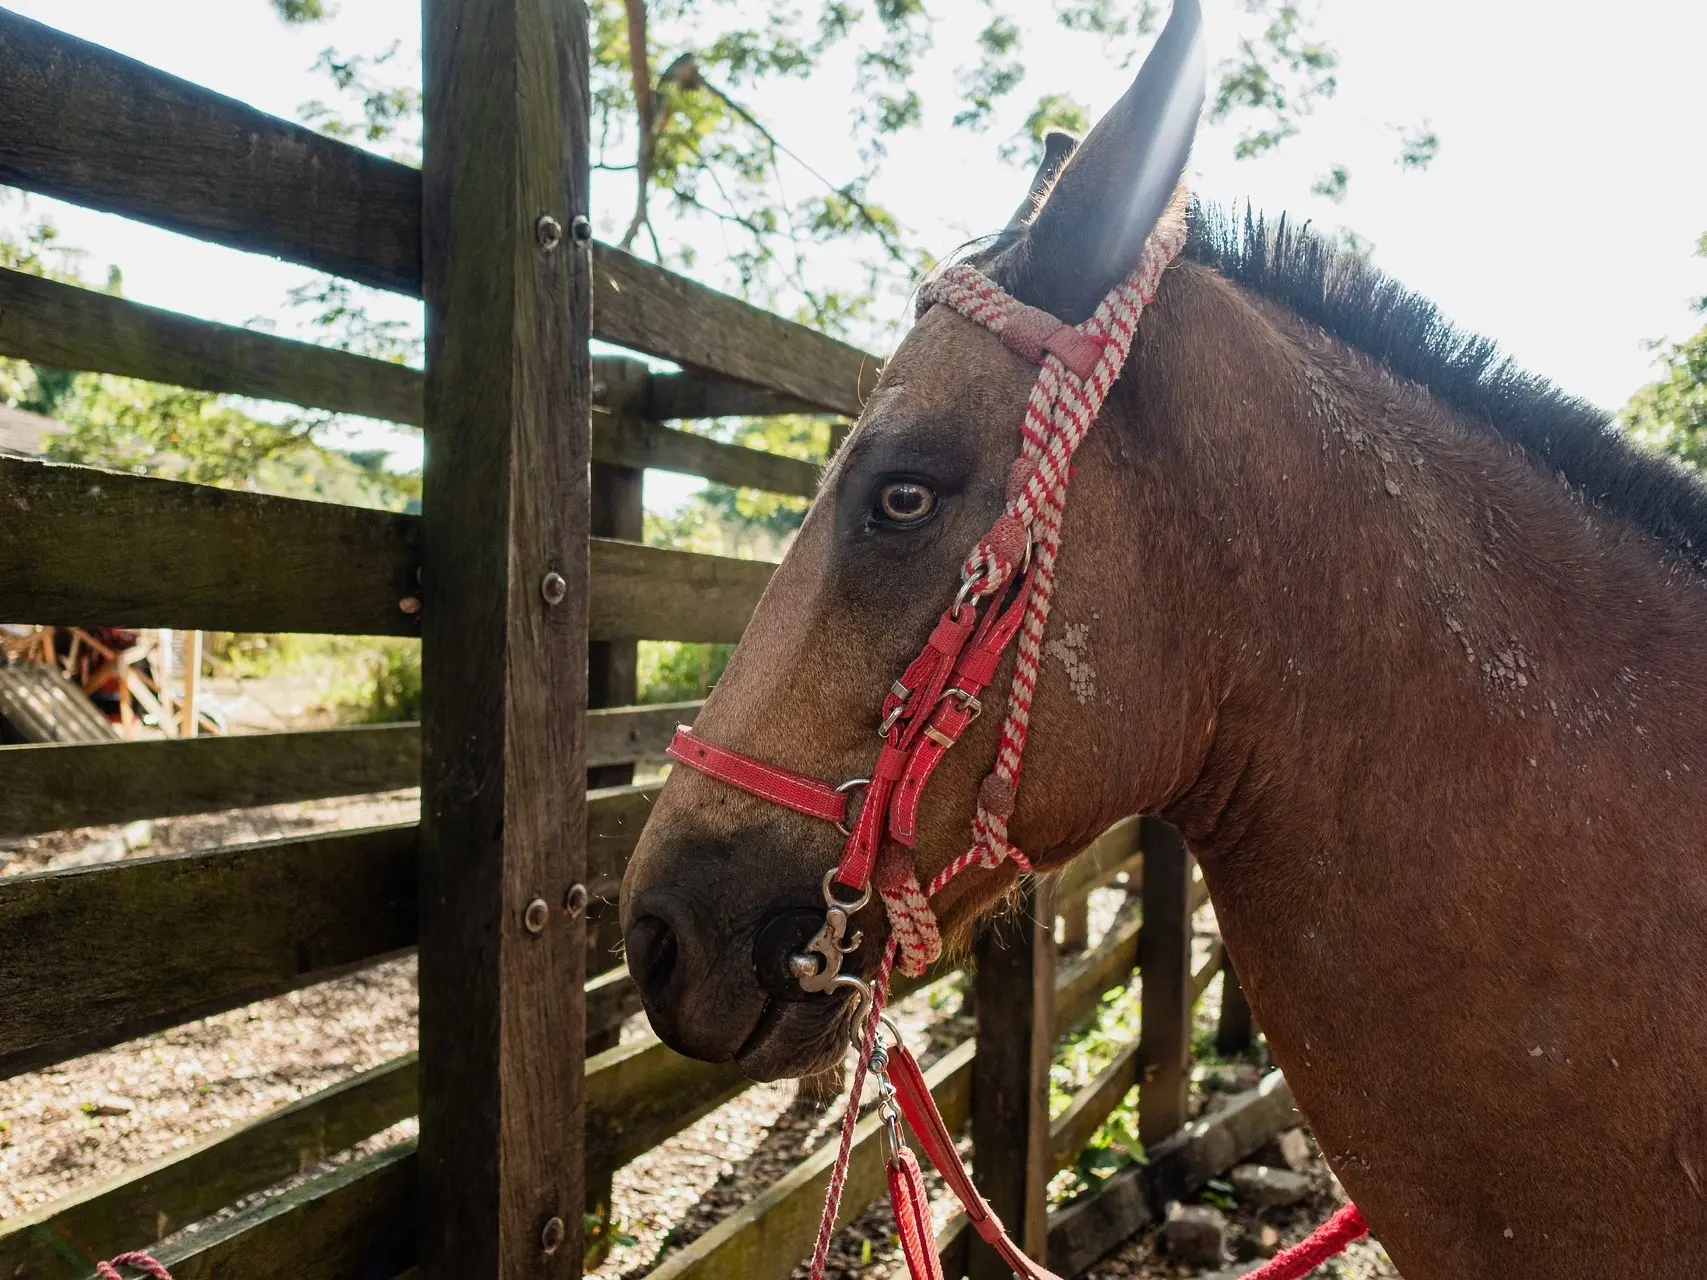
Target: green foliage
(672, 114)
(301, 10)
(1333, 184)
(670, 671)
(125, 425)
(1107, 17)
(1080, 1060)
(996, 75)
(1418, 147)
(391, 690)
(1278, 78)
(1670, 413)
(389, 112)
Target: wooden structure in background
(526, 556)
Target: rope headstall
(1002, 602)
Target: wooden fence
(527, 583)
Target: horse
(1404, 641)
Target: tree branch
(640, 70)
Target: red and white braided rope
(1058, 415)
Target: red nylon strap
(780, 786)
(912, 1208)
(949, 719)
(914, 1098)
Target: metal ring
(960, 597)
(830, 899)
(847, 786)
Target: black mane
(1337, 290)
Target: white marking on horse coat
(1073, 649)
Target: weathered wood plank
(66, 327)
(504, 639)
(1015, 959)
(641, 1093)
(649, 309)
(1235, 1030)
(645, 593)
(223, 560)
(1109, 854)
(634, 442)
(693, 394)
(613, 680)
(51, 787)
(1165, 965)
(618, 735)
(1084, 1232)
(98, 547)
(87, 125)
(354, 1223)
(93, 127)
(85, 953)
(45, 788)
(144, 1206)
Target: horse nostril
(652, 952)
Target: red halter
(1008, 579)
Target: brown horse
(1405, 642)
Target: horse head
(725, 888)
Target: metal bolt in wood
(552, 1236)
(581, 228)
(554, 588)
(536, 916)
(548, 231)
(410, 605)
(576, 902)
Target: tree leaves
(1670, 413)
(1277, 78)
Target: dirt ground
(81, 1123)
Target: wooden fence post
(1164, 959)
(1234, 1032)
(618, 511)
(1010, 1076)
(504, 635)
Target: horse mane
(1336, 289)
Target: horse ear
(1113, 190)
(1057, 146)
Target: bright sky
(1559, 218)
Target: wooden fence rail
(118, 550)
(87, 125)
(66, 327)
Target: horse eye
(905, 502)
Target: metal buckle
(967, 702)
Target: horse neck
(1458, 727)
